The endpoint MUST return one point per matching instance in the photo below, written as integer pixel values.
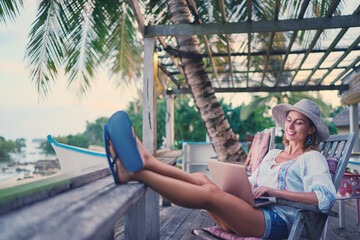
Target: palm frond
(123, 44)
(9, 9)
(156, 12)
(82, 41)
(45, 47)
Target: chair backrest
(340, 147)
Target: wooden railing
(81, 205)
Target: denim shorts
(276, 227)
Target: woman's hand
(264, 191)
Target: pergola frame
(154, 33)
(249, 27)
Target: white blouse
(308, 172)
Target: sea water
(22, 165)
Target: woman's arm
(303, 197)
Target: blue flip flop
(119, 131)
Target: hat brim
(280, 111)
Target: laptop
(232, 178)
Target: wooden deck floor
(176, 222)
(351, 230)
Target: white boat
(74, 158)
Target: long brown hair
(313, 137)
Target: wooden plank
(340, 59)
(175, 218)
(342, 87)
(333, 149)
(151, 205)
(327, 148)
(148, 95)
(88, 212)
(179, 53)
(169, 121)
(317, 35)
(350, 229)
(166, 214)
(174, 223)
(354, 124)
(23, 195)
(351, 66)
(163, 68)
(152, 209)
(253, 27)
(183, 230)
(135, 221)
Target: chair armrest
(304, 206)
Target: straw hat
(306, 107)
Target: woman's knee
(211, 193)
(201, 178)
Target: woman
(298, 173)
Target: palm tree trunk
(223, 139)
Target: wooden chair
(309, 222)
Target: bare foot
(122, 174)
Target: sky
(24, 115)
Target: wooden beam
(253, 27)
(138, 15)
(227, 37)
(269, 89)
(292, 40)
(351, 47)
(273, 70)
(163, 68)
(272, 35)
(318, 33)
(169, 121)
(354, 124)
(330, 49)
(178, 53)
(174, 60)
(249, 14)
(352, 65)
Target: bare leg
(153, 164)
(234, 213)
(183, 189)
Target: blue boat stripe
(52, 141)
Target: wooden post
(354, 124)
(152, 220)
(148, 95)
(135, 221)
(169, 121)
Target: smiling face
(297, 127)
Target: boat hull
(73, 158)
